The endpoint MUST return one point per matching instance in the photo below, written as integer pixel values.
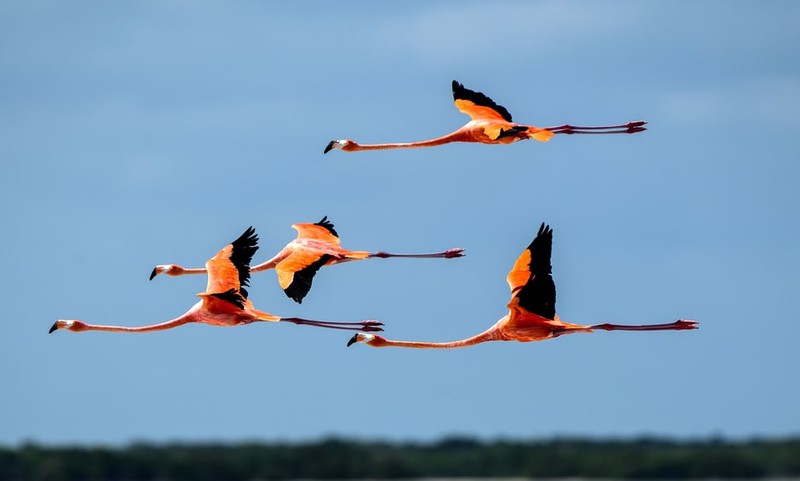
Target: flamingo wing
(322, 230)
(234, 303)
(229, 269)
(296, 272)
(531, 278)
(230, 301)
(477, 105)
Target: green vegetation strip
(640, 459)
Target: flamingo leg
(367, 326)
(672, 326)
(629, 128)
(448, 254)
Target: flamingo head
(168, 269)
(342, 144)
(68, 324)
(371, 339)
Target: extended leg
(629, 128)
(448, 254)
(367, 326)
(672, 326)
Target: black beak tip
(329, 147)
(53, 328)
(153, 274)
(352, 340)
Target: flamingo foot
(368, 326)
(455, 252)
(687, 324)
(448, 254)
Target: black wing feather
(538, 295)
(244, 248)
(463, 93)
(512, 132)
(301, 282)
(327, 224)
(231, 295)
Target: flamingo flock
(531, 311)
(224, 302)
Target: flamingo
(224, 302)
(532, 313)
(297, 263)
(490, 124)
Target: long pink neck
(194, 270)
(270, 264)
(179, 321)
(489, 335)
(457, 136)
(672, 326)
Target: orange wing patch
(229, 302)
(477, 105)
(298, 260)
(222, 274)
(477, 112)
(520, 273)
(542, 135)
(314, 231)
(229, 270)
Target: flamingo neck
(194, 270)
(179, 321)
(489, 335)
(457, 136)
(270, 264)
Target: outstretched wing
(531, 279)
(296, 272)
(322, 230)
(477, 105)
(229, 270)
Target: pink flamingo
(532, 310)
(490, 124)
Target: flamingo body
(490, 124)
(531, 311)
(224, 302)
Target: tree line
(641, 459)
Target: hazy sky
(140, 133)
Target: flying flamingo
(532, 310)
(490, 124)
(224, 302)
(296, 264)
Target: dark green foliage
(640, 459)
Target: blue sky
(134, 134)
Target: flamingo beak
(352, 340)
(53, 328)
(154, 273)
(329, 147)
